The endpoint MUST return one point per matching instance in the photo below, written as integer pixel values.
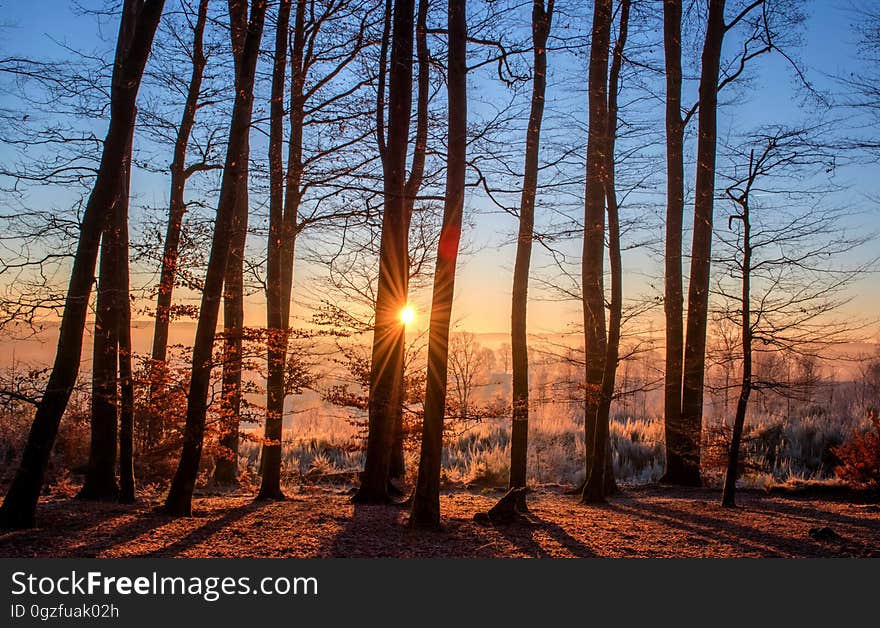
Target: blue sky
(483, 285)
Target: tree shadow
(794, 510)
(741, 537)
(61, 523)
(142, 524)
(368, 522)
(206, 531)
(522, 535)
(457, 537)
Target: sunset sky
(483, 284)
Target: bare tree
(673, 297)
(180, 173)
(763, 26)
(541, 21)
(426, 499)
(112, 331)
(249, 30)
(784, 254)
(468, 361)
(226, 464)
(602, 471)
(592, 271)
(140, 18)
(388, 334)
(322, 164)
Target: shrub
(860, 456)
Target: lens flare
(407, 315)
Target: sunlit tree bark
(426, 500)
(541, 20)
(388, 334)
(701, 250)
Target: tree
(673, 293)
(180, 173)
(275, 323)
(601, 475)
(466, 362)
(426, 499)
(112, 332)
(698, 287)
(141, 19)
(765, 25)
(226, 464)
(784, 256)
(541, 21)
(324, 99)
(413, 184)
(592, 272)
(179, 499)
(388, 334)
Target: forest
(418, 278)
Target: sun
(407, 315)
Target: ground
(322, 522)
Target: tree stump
(509, 509)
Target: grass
(776, 450)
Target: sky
(483, 283)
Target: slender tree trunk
(388, 334)
(270, 487)
(123, 320)
(676, 470)
(226, 463)
(19, 506)
(423, 81)
(100, 479)
(596, 432)
(179, 500)
(541, 21)
(426, 500)
(698, 288)
(728, 496)
(288, 228)
(615, 315)
(177, 209)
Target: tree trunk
(615, 315)
(226, 464)
(388, 334)
(177, 208)
(676, 470)
(698, 289)
(19, 506)
(270, 487)
(179, 500)
(596, 432)
(728, 496)
(541, 21)
(100, 478)
(123, 321)
(426, 500)
(398, 463)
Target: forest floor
(319, 521)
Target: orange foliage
(860, 456)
